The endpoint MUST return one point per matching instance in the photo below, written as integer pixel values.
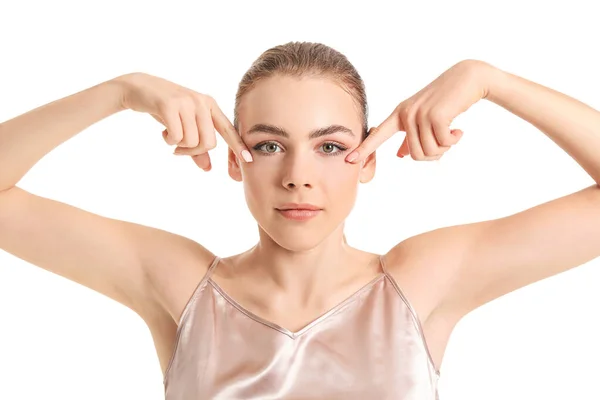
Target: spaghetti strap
(382, 264)
(212, 267)
(199, 288)
(186, 311)
(415, 316)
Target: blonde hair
(300, 59)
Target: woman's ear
(233, 166)
(367, 169)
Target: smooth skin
(291, 277)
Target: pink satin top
(370, 346)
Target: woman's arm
(149, 270)
(25, 139)
(571, 124)
(466, 266)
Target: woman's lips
(299, 214)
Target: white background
(61, 340)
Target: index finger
(228, 132)
(376, 137)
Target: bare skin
(308, 267)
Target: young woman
(302, 314)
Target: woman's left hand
(427, 115)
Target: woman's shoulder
(417, 265)
(178, 265)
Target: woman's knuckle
(187, 103)
(445, 140)
(199, 100)
(210, 143)
(405, 112)
(190, 141)
(433, 150)
(207, 99)
(436, 113)
(421, 114)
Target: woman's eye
(328, 148)
(268, 147)
(271, 147)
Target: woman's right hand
(190, 118)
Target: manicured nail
(352, 156)
(246, 155)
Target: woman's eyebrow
(275, 130)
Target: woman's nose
(298, 172)
(292, 185)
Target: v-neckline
(308, 326)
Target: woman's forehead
(294, 104)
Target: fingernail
(246, 155)
(352, 156)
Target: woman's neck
(304, 272)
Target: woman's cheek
(261, 163)
(340, 173)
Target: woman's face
(299, 131)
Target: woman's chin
(297, 239)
